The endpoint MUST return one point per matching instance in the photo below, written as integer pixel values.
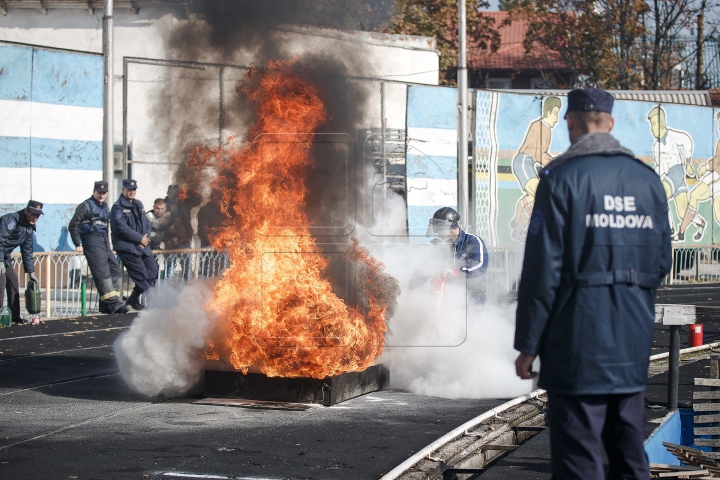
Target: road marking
(51, 353)
(61, 383)
(64, 333)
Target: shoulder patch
(536, 222)
(11, 225)
(118, 214)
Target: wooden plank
(707, 382)
(707, 442)
(715, 395)
(706, 407)
(706, 430)
(706, 418)
(685, 473)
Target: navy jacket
(15, 231)
(91, 218)
(597, 248)
(471, 255)
(128, 224)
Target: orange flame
(283, 316)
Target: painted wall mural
(680, 142)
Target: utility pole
(108, 141)
(462, 159)
(700, 70)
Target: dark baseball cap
(129, 183)
(101, 187)
(590, 100)
(35, 207)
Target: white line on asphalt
(101, 417)
(90, 377)
(51, 353)
(204, 475)
(63, 333)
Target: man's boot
(134, 299)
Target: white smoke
(162, 352)
(441, 345)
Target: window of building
(498, 83)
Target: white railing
(62, 274)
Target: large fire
(282, 315)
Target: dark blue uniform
(471, 258)
(597, 248)
(90, 227)
(15, 231)
(129, 224)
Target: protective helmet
(444, 220)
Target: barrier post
(48, 260)
(83, 298)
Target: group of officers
(90, 230)
(586, 295)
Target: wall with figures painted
(516, 135)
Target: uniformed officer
(131, 239)
(89, 230)
(597, 248)
(469, 251)
(16, 230)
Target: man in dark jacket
(470, 255)
(16, 230)
(131, 239)
(597, 248)
(89, 230)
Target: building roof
(511, 54)
(682, 97)
(44, 5)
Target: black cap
(35, 207)
(129, 183)
(101, 187)
(590, 100)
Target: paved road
(66, 413)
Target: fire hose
(462, 429)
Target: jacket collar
(593, 144)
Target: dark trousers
(9, 284)
(143, 269)
(580, 424)
(105, 270)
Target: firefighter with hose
(470, 256)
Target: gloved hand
(2, 268)
(33, 278)
(465, 269)
(448, 274)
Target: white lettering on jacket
(613, 220)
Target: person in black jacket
(89, 230)
(16, 230)
(131, 239)
(597, 248)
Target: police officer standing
(131, 239)
(89, 230)
(469, 251)
(597, 248)
(16, 230)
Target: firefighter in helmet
(470, 254)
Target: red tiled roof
(511, 54)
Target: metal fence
(62, 274)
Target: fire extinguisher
(695, 335)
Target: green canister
(32, 298)
(5, 317)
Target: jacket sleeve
(542, 267)
(4, 236)
(666, 253)
(476, 264)
(119, 224)
(80, 214)
(27, 253)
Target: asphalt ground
(65, 413)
